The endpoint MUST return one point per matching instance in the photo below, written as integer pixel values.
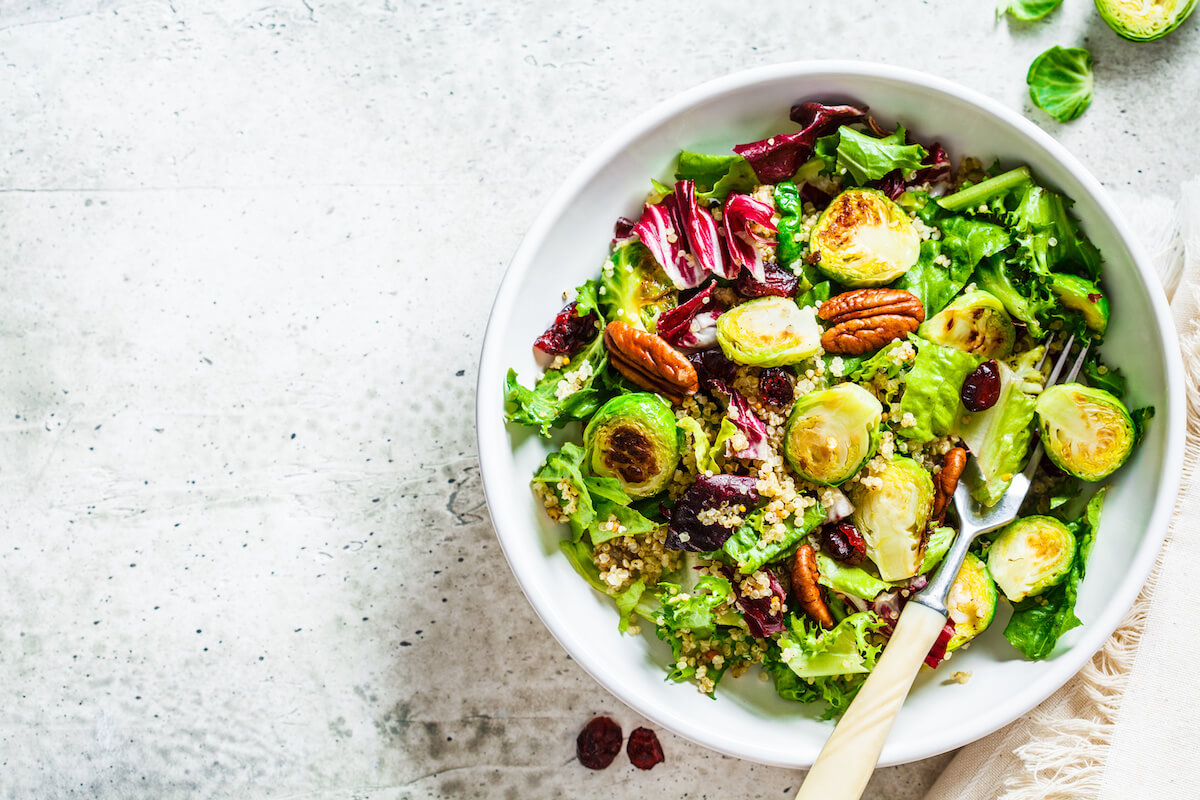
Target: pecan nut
(863, 320)
(946, 481)
(649, 362)
(806, 588)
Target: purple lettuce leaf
(742, 213)
(701, 231)
(763, 615)
(661, 230)
(692, 325)
(777, 158)
(685, 531)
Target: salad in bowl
(777, 376)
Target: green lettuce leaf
(1025, 294)
(999, 437)
(931, 391)
(1101, 376)
(567, 465)
(846, 579)
(813, 650)
(1049, 236)
(1060, 82)
(748, 550)
(867, 158)
(1038, 622)
(627, 602)
(936, 547)
(1027, 10)
(715, 176)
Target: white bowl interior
(568, 245)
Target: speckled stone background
(248, 256)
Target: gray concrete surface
(248, 256)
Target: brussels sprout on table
(632, 438)
(769, 332)
(832, 433)
(976, 322)
(971, 602)
(1141, 21)
(892, 517)
(1087, 432)
(1031, 555)
(864, 239)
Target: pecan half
(863, 320)
(649, 362)
(946, 481)
(805, 587)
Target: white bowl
(567, 245)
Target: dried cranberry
(598, 743)
(568, 333)
(981, 389)
(644, 750)
(774, 387)
(779, 282)
(712, 365)
(687, 532)
(843, 541)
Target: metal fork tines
(976, 519)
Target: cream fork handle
(849, 756)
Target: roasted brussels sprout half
(1143, 20)
(632, 438)
(971, 602)
(831, 433)
(1083, 296)
(864, 239)
(634, 289)
(977, 322)
(1030, 555)
(892, 517)
(769, 332)
(1086, 431)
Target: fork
(850, 754)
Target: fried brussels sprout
(769, 332)
(1086, 431)
(634, 289)
(1083, 296)
(632, 438)
(892, 517)
(977, 322)
(971, 602)
(831, 433)
(1142, 21)
(1031, 555)
(864, 239)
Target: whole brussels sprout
(1142, 21)
(976, 322)
(1031, 555)
(1083, 296)
(864, 239)
(1085, 431)
(893, 517)
(831, 433)
(632, 438)
(769, 332)
(971, 602)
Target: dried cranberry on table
(568, 333)
(598, 743)
(981, 389)
(774, 387)
(644, 749)
(842, 541)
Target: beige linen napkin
(1128, 725)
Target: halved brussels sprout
(971, 602)
(864, 239)
(1083, 296)
(1030, 555)
(831, 433)
(632, 438)
(769, 332)
(977, 322)
(1144, 20)
(1086, 431)
(892, 517)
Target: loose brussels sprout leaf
(999, 437)
(868, 158)
(634, 289)
(864, 239)
(846, 579)
(831, 433)
(715, 176)
(971, 602)
(1141, 21)
(1102, 376)
(691, 428)
(1083, 296)
(1027, 10)
(1086, 432)
(1060, 82)
(632, 438)
(892, 518)
(977, 323)
(931, 405)
(769, 332)
(936, 547)
(846, 649)
(1031, 555)
(749, 548)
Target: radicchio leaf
(568, 333)
(622, 231)
(741, 215)
(753, 428)
(701, 230)
(939, 174)
(661, 230)
(775, 281)
(777, 158)
(686, 532)
(811, 194)
(692, 325)
(763, 615)
(891, 184)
